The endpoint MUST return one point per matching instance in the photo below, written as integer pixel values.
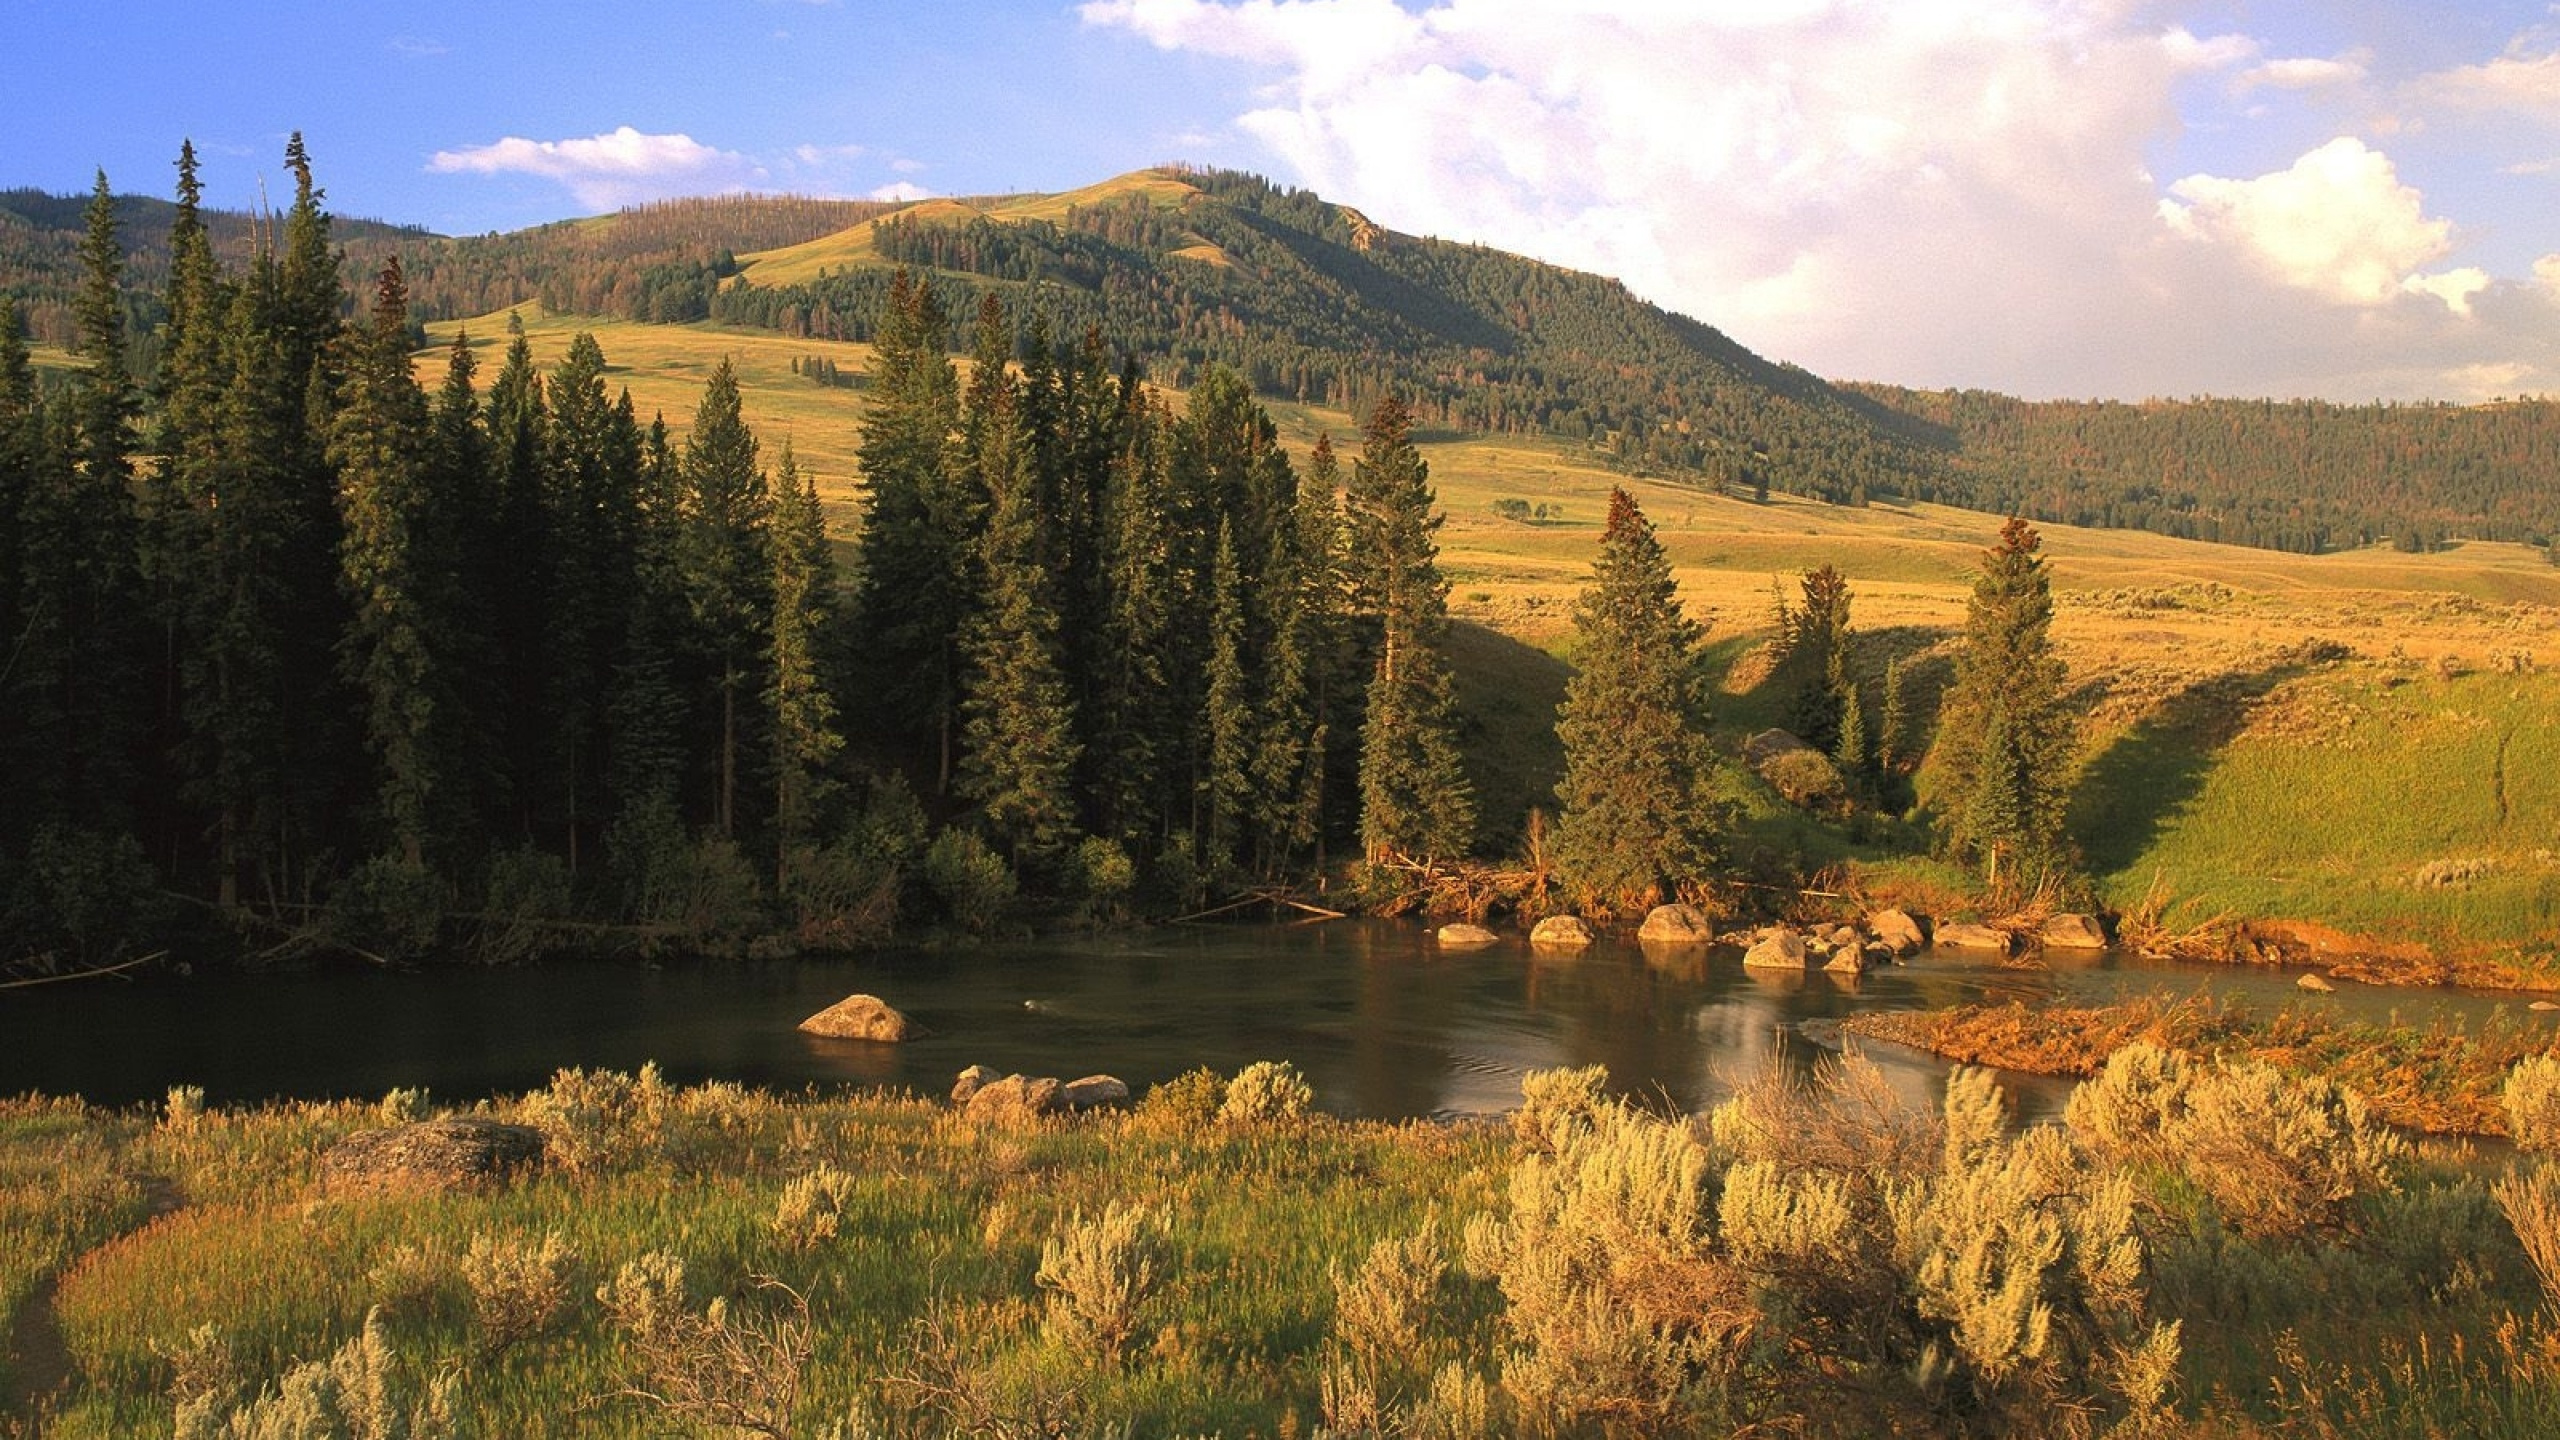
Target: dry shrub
(518, 1289)
(203, 1370)
(1617, 1310)
(403, 1105)
(1556, 1106)
(2531, 1200)
(1103, 1275)
(185, 1109)
(1184, 1105)
(594, 1120)
(721, 1368)
(2532, 1096)
(811, 1208)
(362, 1392)
(1847, 1121)
(414, 1278)
(1383, 1352)
(1267, 1092)
(2277, 1155)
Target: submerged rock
(2316, 983)
(1465, 937)
(862, 1017)
(1561, 932)
(455, 1152)
(1676, 925)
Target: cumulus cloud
(902, 190)
(1955, 192)
(622, 167)
(2521, 82)
(2338, 223)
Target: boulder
(1768, 745)
(454, 1152)
(1465, 937)
(2543, 1005)
(2073, 932)
(2316, 983)
(973, 1080)
(1676, 925)
(1015, 1097)
(862, 1017)
(1779, 949)
(1843, 937)
(1093, 1092)
(1897, 931)
(1847, 960)
(1561, 932)
(1966, 935)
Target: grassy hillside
(2313, 737)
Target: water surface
(1382, 1022)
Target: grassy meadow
(2202, 1248)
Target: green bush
(971, 882)
(1266, 1092)
(527, 894)
(1103, 1275)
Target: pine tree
(591, 497)
(1226, 783)
(728, 574)
(1893, 728)
(2005, 739)
(1131, 721)
(515, 566)
(393, 570)
(806, 736)
(1414, 798)
(22, 427)
(1816, 657)
(1636, 816)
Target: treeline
(2300, 475)
(301, 652)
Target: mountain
(1185, 269)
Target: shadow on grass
(1508, 693)
(2129, 793)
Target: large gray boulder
(1778, 949)
(1897, 931)
(862, 1017)
(1093, 1092)
(454, 1152)
(1676, 925)
(1015, 1097)
(2073, 932)
(1561, 932)
(1463, 936)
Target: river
(1382, 1022)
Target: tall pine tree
(1415, 801)
(728, 575)
(807, 737)
(2005, 737)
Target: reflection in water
(1382, 1021)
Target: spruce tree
(1636, 816)
(394, 568)
(1227, 782)
(1816, 661)
(806, 734)
(1132, 720)
(591, 499)
(1893, 727)
(1415, 802)
(515, 566)
(2005, 738)
(728, 575)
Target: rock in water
(1849, 960)
(1093, 1092)
(1676, 925)
(1779, 949)
(2316, 983)
(1561, 932)
(456, 1152)
(1897, 931)
(862, 1017)
(1969, 936)
(2074, 932)
(1465, 937)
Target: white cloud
(2520, 82)
(2338, 223)
(901, 190)
(1952, 192)
(622, 167)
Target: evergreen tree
(2005, 739)
(1019, 750)
(919, 534)
(1227, 782)
(1303, 672)
(22, 427)
(591, 498)
(805, 730)
(1816, 657)
(1414, 797)
(515, 566)
(728, 574)
(1132, 720)
(1636, 817)
(1893, 728)
(395, 571)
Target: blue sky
(2051, 197)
